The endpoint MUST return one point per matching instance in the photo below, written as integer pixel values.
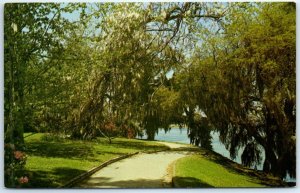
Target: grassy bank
(52, 161)
(207, 169)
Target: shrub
(15, 160)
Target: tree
(133, 70)
(105, 73)
(30, 30)
(247, 87)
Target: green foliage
(246, 83)
(30, 31)
(48, 137)
(104, 72)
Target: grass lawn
(198, 171)
(51, 163)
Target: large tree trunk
(14, 116)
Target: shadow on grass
(63, 150)
(137, 145)
(53, 178)
(189, 182)
(84, 149)
(257, 176)
(192, 149)
(75, 149)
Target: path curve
(175, 145)
(144, 170)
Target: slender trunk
(150, 134)
(270, 161)
(191, 125)
(106, 136)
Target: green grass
(198, 171)
(53, 163)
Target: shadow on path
(104, 182)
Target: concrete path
(175, 145)
(140, 171)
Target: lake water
(180, 135)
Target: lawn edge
(176, 184)
(76, 179)
(82, 176)
(174, 181)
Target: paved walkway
(139, 171)
(176, 145)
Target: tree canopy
(126, 68)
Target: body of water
(180, 135)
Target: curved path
(144, 170)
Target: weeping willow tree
(138, 44)
(245, 84)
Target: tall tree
(30, 31)
(247, 86)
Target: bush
(15, 160)
(50, 137)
